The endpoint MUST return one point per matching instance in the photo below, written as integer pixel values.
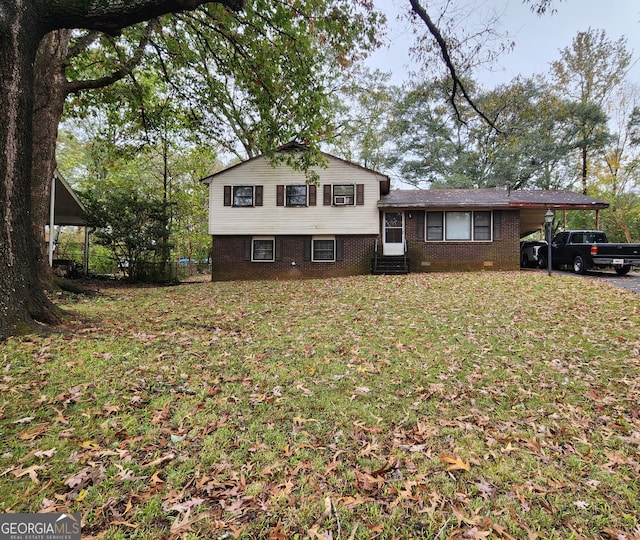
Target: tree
(363, 110)
(588, 72)
(51, 88)
(133, 229)
(23, 24)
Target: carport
(533, 205)
(66, 209)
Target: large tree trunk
(22, 296)
(50, 93)
(23, 23)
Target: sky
(538, 39)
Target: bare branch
(458, 85)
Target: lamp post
(548, 221)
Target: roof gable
(384, 180)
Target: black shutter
(339, 249)
(497, 225)
(420, 224)
(312, 194)
(327, 195)
(278, 248)
(227, 195)
(359, 194)
(279, 195)
(247, 249)
(307, 249)
(258, 196)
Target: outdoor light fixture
(548, 221)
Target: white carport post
(52, 217)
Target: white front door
(393, 234)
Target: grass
(501, 405)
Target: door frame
(393, 248)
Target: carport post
(52, 214)
(548, 220)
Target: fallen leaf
(46, 453)
(456, 463)
(24, 420)
(33, 433)
(31, 471)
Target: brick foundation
(503, 253)
(229, 259)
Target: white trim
(272, 239)
(444, 227)
(333, 239)
(253, 195)
(306, 196)
(392, 248)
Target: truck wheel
(542, 261)
(623, 270)
(579, 267)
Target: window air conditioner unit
(339, 200)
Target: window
(242, 195)
(435, 227)
(481, 226)
(263, 249)
(296, 195)
(344, 194)
(459, 226)
(323, 249)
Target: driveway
(630, 282)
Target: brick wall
(230, 260)
(501, 254)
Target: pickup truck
(584, 250)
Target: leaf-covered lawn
(488, 405)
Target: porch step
(390, 265)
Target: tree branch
(444, 50)
(124, 70)
(111, 17)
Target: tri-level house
(267, 221)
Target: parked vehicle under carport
(586, 250)
(529, 252)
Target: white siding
(270, 219)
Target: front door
(393, 234)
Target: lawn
(479, 405)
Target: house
(268, 222)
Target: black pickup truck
(584, 250)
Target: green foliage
(539, 136)
(134, 229)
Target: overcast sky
(537, 39)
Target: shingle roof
(489, 197)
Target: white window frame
(472, 231)
(314, 239)
(286, 195)
(233, 196)
(271, 239)
(352, 196)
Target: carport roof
(69, 210)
